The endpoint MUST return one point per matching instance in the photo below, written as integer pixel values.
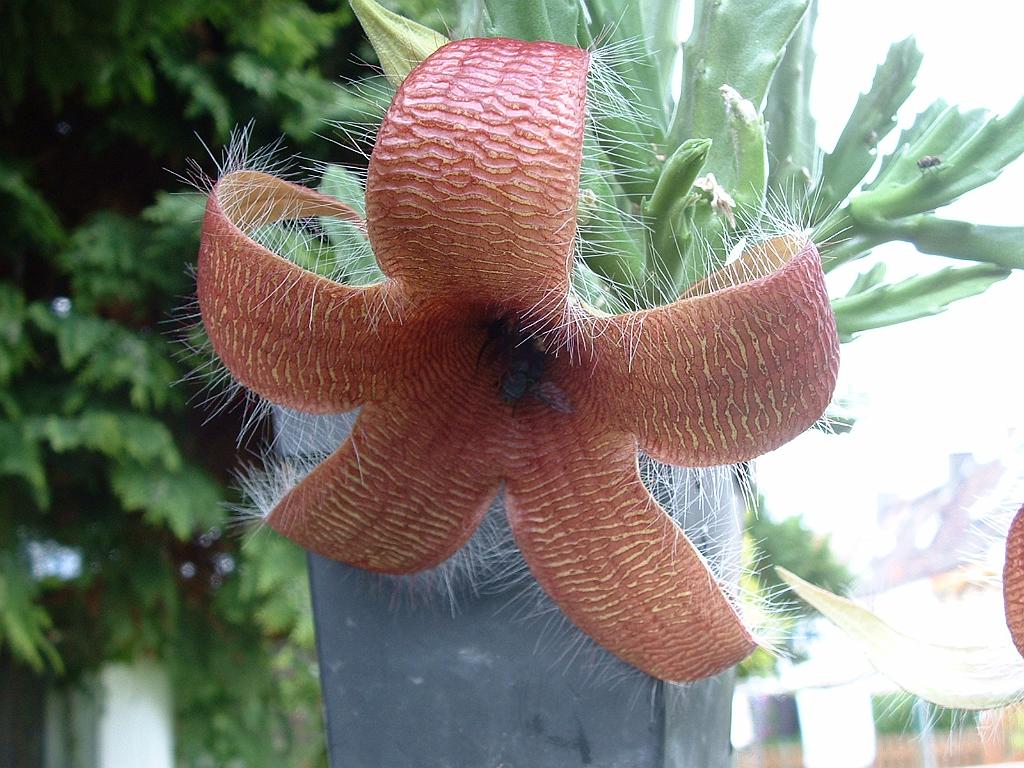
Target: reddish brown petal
(610, 557)
(725, 376)
(473, 180)
(410, 485)
(291, 336)
(1013, 580)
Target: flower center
(522, 362)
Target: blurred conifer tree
(112, 489)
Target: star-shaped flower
(477, 369)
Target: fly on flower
(522, 362)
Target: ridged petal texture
(608, 555)
(473, 180)
(723, 376)
(1013, 580)
(293, 337)
(471, 210)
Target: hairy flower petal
(474, 177)
(609, 556)
(728, 375)
(1013, 580)
(411, 483)
(471, 209)
(293, 337)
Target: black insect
(523, 360)
(929, 161)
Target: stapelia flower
(471, 211)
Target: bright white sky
(941, 385)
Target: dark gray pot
(500, 682)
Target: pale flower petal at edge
(1013, 580)
(960, 677)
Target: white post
(136, 722)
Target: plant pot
(500, 681)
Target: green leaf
(186, 500)
(133, 267)
(289, 37)
(873, 117)
(275, 575)
(111, 258)
(891, 304)
(24, 624)
(15, 347)
(306, 98)
(778, 543)
(27, 217)
(20, 457)
(109, 356)
(962, 677)
(315, 101)
(400, 44)
(120, 435)
(205, 97)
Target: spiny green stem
(872, 119)
(791, 131)
(891, 304)
(733, 43)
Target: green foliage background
(101, 453)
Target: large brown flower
(476, 368)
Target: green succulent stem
(1000, 246)
(749, 149)
(739, 44)
(873, 118)
(745, 59)
(611, 246)
(661, 20)
(646, 38)
(971, 150)
(669, 212)
(555, 20)
(677, 176)
(996, 245)
(791, 129)
(895, 303)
